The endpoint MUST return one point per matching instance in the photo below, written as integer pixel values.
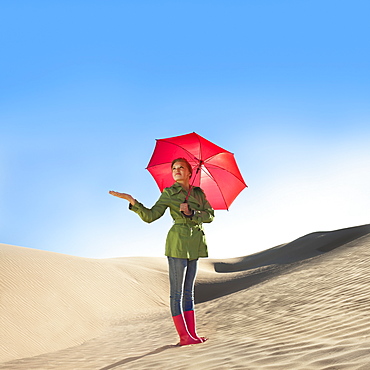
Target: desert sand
(301, 305)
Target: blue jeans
(182, 273)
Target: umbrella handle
(192, 184)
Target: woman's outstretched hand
(123, 196)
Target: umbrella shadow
(135, 358)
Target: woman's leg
(188, 299)
(190, 275)
(177, 268)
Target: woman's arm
(204, 214)
(146, 214)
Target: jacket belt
(185, 222)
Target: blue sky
(87, 86)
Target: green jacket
(186, 237)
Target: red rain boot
(189, 317)
(185, 337)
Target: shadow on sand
(264, 265)
(135, 358)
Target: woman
(185, 242)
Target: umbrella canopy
(214, 168)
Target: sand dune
(301, 305)
(50, 301)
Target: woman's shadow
(134, 358)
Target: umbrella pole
(192, 183)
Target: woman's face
(180, 172)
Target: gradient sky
(87, 86)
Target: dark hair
(185, 161)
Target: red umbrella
(214, 168)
